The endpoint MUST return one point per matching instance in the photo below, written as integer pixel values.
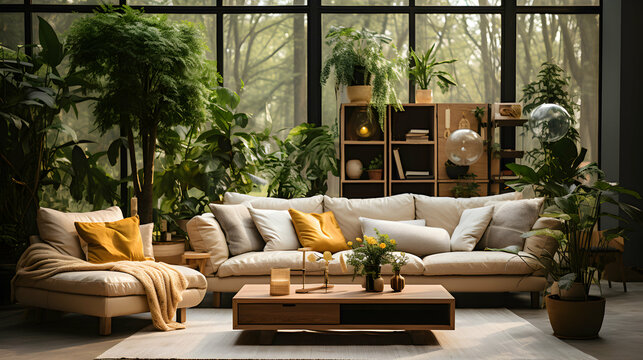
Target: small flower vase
(397, 281)
(373, 281)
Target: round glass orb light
(549, 122)
(464, 147)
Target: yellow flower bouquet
(369, 254)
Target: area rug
(480, 333)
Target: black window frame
(508, 10)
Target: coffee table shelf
(418, 307)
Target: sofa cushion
(412, 238)
(542, 245)
(206, 235)
(147, 236)
(414, 266)
(104, 283)
(319, 232)
(445, 212)
(276, 229)
(57, 228)
(240, 231)
(480, 263)
(260, 263)
(112, 241)
(472, 225)
(348, 211)
(510, 220)
(311, 204)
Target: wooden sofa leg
(537, 299)
(216, 302)
(105, 326)
(181, 315)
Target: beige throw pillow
(410, 236)
(240, 231)
(472, 226)
(57, 228)
(510, 220)
(206, 235)
(348, 211)
(147, 235)
(310, 204)
(276, 228)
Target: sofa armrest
(205, 235)
(539, 245)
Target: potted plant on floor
(424, 70)
(358, 61)
(368, 256)
(376, 168)
(573, 313)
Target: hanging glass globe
(464, 147)
(549, 122)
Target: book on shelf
(398, 163)
(417, 138)
(417, 173)
(418, 132)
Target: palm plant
(357, 58)
(424, 69)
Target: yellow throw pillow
(112, 241)
(318, 231)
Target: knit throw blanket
(163, 285)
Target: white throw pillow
(311, 204)
(509, 221)
(472, 226)
(276, 229)
(413, 238)
(384, 226)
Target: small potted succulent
(424, 70)
(375, 168)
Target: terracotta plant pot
(375, 174)
(575, 319)
(170, 252)
(359, 93)
(423, 96)
(397, 282)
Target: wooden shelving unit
(414, 155)
(364, 151)
(506, 129)
(426, 155)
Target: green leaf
(113, 151)
(525, 172)
(52, 49)
(79, 163)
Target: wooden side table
(198, 259)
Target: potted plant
(467, 187)
(455, 171)
(357, 60)
(573, 313)
(153, 80)
(368, 256)
(376, 168)
(424, 69)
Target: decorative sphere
(464, 147)
(354, 169)
(549, 122)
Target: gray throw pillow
(411, 236)
(241, 233)
(509, 221)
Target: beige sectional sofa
(457, 271)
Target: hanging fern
(357, 58)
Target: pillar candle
(133, 206)
(447, 119)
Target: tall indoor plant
(357, 58)
(424, 69)
(149, 74)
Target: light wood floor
(75, 336)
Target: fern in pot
(424, 69)
(357, 61)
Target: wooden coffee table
(416, 309)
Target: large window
(271, 51)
